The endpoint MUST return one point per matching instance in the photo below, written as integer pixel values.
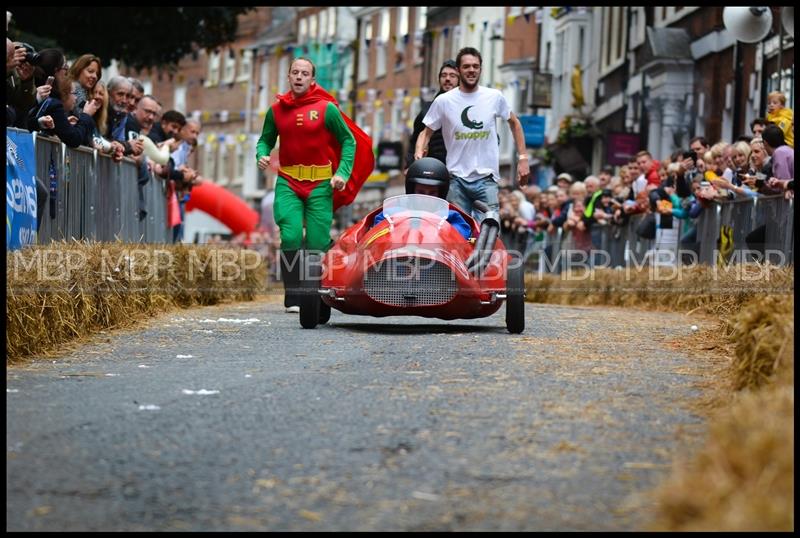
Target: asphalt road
(234, 418)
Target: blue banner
(533, 128)
(20, 190)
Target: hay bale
(764, 335)
(743, 478)
(65, 291)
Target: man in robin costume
(324, 159)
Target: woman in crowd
(51, 113)
(84, 74)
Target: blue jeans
(463, 192)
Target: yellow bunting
(415, 92)
(278, 50)
(390, 93)
(472, 27)
(378, 103)
(210, 138)
(242, 137)
(262, 113)
(406, 100)
(206, 115)
(362, 94)
(511, 19)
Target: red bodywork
(411, 265)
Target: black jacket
(71, 135)
(436, 147)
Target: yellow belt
(310, 172)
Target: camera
(689, 154)
(30, 53)
(760, 180)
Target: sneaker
(293, 309)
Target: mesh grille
(410, 281)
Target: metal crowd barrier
(625, 247)
(774, 213)
(96, 198)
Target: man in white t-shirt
(466, 115)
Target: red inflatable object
(224, 206)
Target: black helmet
(430, 172)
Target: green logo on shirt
(468, 123)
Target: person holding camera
(20, 87)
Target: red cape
(364, 161)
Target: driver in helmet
(430, 176)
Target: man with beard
(466, 117)
(448, 79)
(322, 155)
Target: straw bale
(764, 335)
(115, 285)
(743, 478)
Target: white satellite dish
(787, 18)
(748, 24)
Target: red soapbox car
(415, 263)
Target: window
(223, 172)
(668, 15)
(302, 30)
(364, 46)
(244, 152)
(213, 69)
(383, 43)
(638, 25)
(377, 130)
(230, 67)
(179, 98)
(147, 85)
(246, 65)
(332, 22)
(209, 160)
(323, 25)
(419, 28)
(263, 86)
(312, 28)
(401, 30)
(612, 52)
(283, 70)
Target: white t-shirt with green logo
(469, 129)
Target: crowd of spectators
(70, 101)
(586, 215)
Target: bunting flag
(446, 31)
(290, 49)
(485, 25)
(406, 100)
(405, 39)
(278, 50)
(527, 17)
(472, 27)
(511, 19)
(367, 41)
(389, 93)
(378, 103)
(329, 45)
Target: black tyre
(515, 295)
(310, 300)
(324, 312)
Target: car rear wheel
(515, 294)
(310, 300)
(324, 312)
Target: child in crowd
(781, 116)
